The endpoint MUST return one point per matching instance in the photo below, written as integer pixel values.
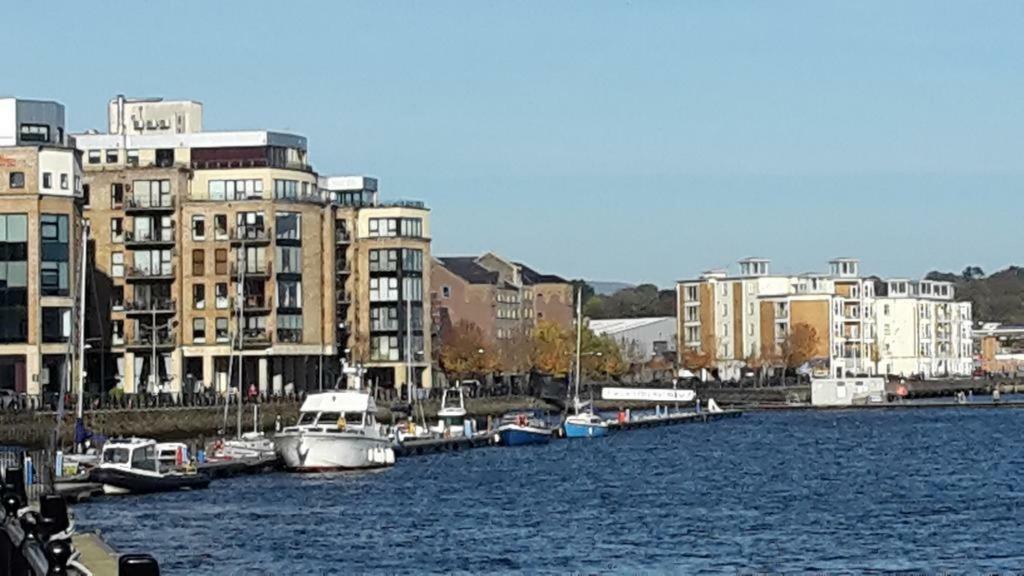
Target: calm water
(929, 490)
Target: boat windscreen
(353, 418)
(328, 418)
(144, 458)
(115, 456)
(307, 418)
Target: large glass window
(53, 268)
(56, 324)
(383, 260)
(151, 193)
(13, 278)
(289, 328)
(286, 189)
(289, 260)
(249, 189)
(383, 289)
(412, 260)
(289, 294)
(288, 226)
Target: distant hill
(607, 288)
(631, 302)
(995, 298)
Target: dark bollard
(14, 482)
(54, 511)
(58, 553)
(137, 565)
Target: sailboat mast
(83, 256)
(579, 339)
(243, 260)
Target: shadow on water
(929, 490)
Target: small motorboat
(451, 418)
(522, 428)
(134, 466)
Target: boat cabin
(131, 453)
(336, 411)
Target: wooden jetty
(672, 420)
(436, 445)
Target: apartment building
(214, 245)
(40, 227)
(862, 324)
(503, 298)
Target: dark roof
(531, 276)
(466, 268)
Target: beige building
(40, 223)
(213, 245)
(864, 325)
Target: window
(220, 292)
(220, 226)
(63, 181)
(198, 227)
(289, 328)
(198, 262)
(286, 189)
(53, 269)
(85, 195)
(35, 133)
(412, 289)
(199, 330)
(199, 296)
(383, 289)
(152, 193)
(222, 329)
(112, 156)
(384, 348)
(56, 324)
(133, 157)
(383, 227)
(384, 319)
(412, 260)
(249, 225)
(47, 180)
(235, 189)
(94, 156)
(117, 264)
(117, 332)
(116, 195)
(289, 260)
(220, 261)
(17, 180)
(288, 226)
(289, 294)
(116, 230)
(412, 227)
(446, 291)
(383, 260)
(117, 297)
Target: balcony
(145, 342)
(344, 268)
(150, 307)
(163, 236)
(254, 305)
(342, 236)
(255, 338)
(256, 270)
(343, 297)
(164, 273)
(136, 205)
(254, 235)
(289, 336)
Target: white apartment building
(746, 317)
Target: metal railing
(132, 203)
(151, 305)
(251, 233)
(161, 272)
(162, 235)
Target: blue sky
(636, 141)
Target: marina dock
(438, 445)
(673, 420)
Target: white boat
(451, 418)
(141, 466)
(335, 431)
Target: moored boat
(133, 466)
(451, 418)
(585, 425)
(335, 431)
(522, 428)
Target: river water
(927, 490)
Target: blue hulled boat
(585, 425)
(521, 428)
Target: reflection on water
(926, 489)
